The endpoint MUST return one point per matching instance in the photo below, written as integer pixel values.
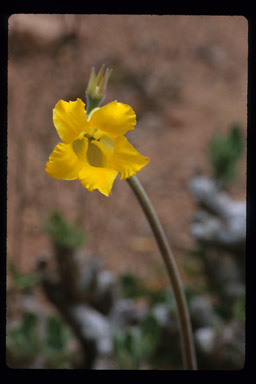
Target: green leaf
(224, 153)
(22, 281)
(132, 286)
(57, 334)
(65, 235)
(23, 341)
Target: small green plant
(57, 334)
(224, 153)
(22, 281)
(131, 286)
(23, 341)
(55, 348)
(136, 345)
(26, 342)
(126, 348)
(150, 335)
(239, 309)
(63, 234)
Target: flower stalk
(188, 350)
(95, 93)
(93, 150)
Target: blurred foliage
(133, 287)
(150, 336)
(23, 340)
(26, 342)
(199, 282)
(20, 280)
(126, 349)
(32, 339)
(57, 338)
(63, 234)
(136, 345)
(224, 153)
(239, 309)
(57, 335)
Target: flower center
(94, 155)
(96, 151)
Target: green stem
(92, 103)
(188, 350)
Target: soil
(185, 77)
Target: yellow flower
(94, 148)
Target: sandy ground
(185, 77)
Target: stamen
(90, 137)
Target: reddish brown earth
(185, 77)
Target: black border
(243, 10)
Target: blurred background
(84, 273)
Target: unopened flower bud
(96, 89)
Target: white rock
(205, 339)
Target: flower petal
(63, 163)
(69, 119)
(97, 178)
(113, 118)
(126, 159)
(80, 147)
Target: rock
(233, 292)
(39, 34)
(205, 340)
(216, 201)
(230, 346)
(95, 286)
(225, 277)
(94, 327)
(29, 303)
(212, 55)
(224, 223)
(221, 348)
(104, 294)
(125, 313)
(162, 315)
(205, 228)
(202, 313)
(165, 318)
(169, 342)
